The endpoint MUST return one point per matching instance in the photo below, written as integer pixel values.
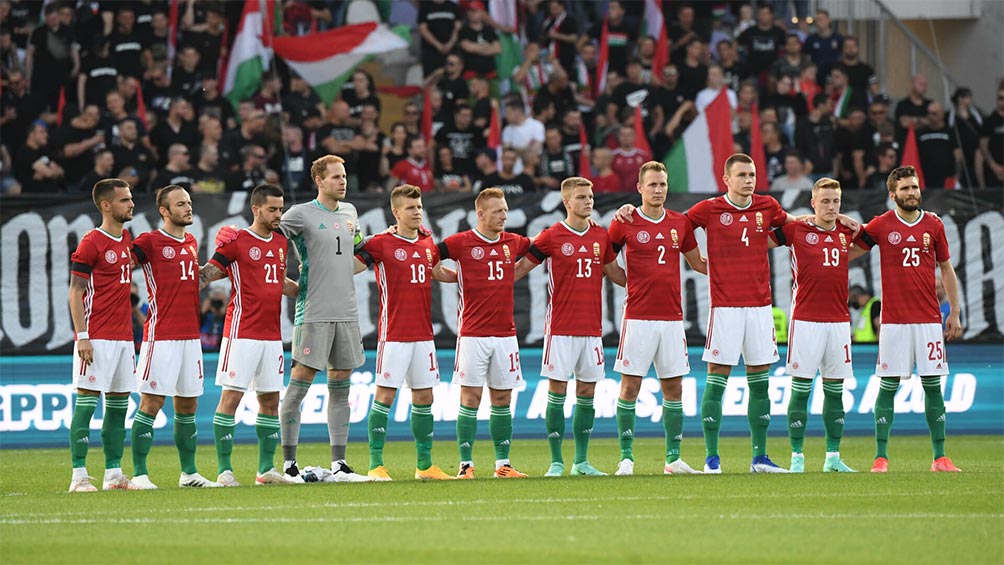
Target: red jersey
(409, 172)
(626, 164)
(652, 251)
(910, 253)
(105, 262)
(171, 267)
(818, 270)
(485, 276)
(575, 260)
(256, 267)
(404, 278)
(608, 183)
(738, 269)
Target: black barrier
(40, 233)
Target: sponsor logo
(505, 442)
(812, 238)
(709, 419)
(587, 431)
(168, 252)
(911, 239)
(478, 253)
(627, 433)
(839, 421)
(111, 257)
(465, 444)
(125, 254)
(321, 226)
(254, 253)
(554, 435)
(400, 254)
(881, 420)
(273, 435)
(567, 249)
(643, 237)
(940, 418)
(743, 219)
(828, 239)
(84, 439)
(415, 255)
(582, 249)
(895, 238)
(765, 417)
(494, 253)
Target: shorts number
(495, 270)
(599, 355)
(662, 255)
(831, 257)
(847, 353)
(282, 364)
(934, 351)
(432, 362)
(513, 362)
(744, 238)
(187, 270)
(417, 273)
(585, 268)
(911, 258)
(271, 273)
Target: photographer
(214, 311)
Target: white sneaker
(118, 482)
(83, 484)
(625, 468)
(679, 467)
(271, 477)
(227, 479)
(143, 482)
(293, 475)
(342, 473)
(195, 480)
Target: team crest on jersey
(111, 257)
(168, 252)
(644, 237)
(567, 249)
(478, 253)
(349, 226)
(596, 250)
(282, 256)
(885, 366)
(927, 241)
(675, 236)
(726, 219)
(400, 254)
(895, 238)
(254, 253)
(811, 238)
(505, 249)
(759, 221)
(843, 241)
(428, 255)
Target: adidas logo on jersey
(828, 239)
(146, 435)
(743, 218)
(911, 238)
(494, 253)
(270, 254)
(125, 255)
(321, 226)
(228, 437)
(415, 255)
(660, 236)
(554, 435)
(582, 249)
(184, 251)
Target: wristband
(82, 335)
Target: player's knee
(268, 403)
(421, 396)
(556, 386)
(185, 404)
(151, 404)
(630, 386)
(672, 388)
(386, 395)
(585, 389)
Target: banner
(36, 401)
(39, 235)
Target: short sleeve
(689, 241)
(83, 259)
(869, 235)
(225, 255)
(142, 248)
(941, 252)
(540, 250)
(372, 248)
(779, 216)
(292, 222)
(698, 214)
(522, 245)
(449, 248)
(618, 234)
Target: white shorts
(903, 345)
(492, 361)
(170, 368)
(819, 346)
(647, 342)
(568, 354)
(413, 362)
(113, 369)
(244, 362)
(748, 330)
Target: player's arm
(444, 274)
(862, 244)
(209, 273)
(625, 214)
(696, 261)
(78, 285)
(854, 252)
(953, 324)
(290, 287)
(615, 273)
(523, 267)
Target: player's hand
(953, 327)
(226, 235)
(85, 351)
(625, 214)
(424, 230)
(594, 223)
(849, 223)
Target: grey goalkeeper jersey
(324, 241)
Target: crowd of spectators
(125, 88)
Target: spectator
(774, 149)
(715, 84)
(992, 146)
(485, 161)
(585, 76)
(693, 71)
(682, 32)
(452, 85)
(129, 50)
(524, 134)
(358, 93)
(177, 170)
(620, 37)
(531, 75)
(814, 135)
(479, 43)
(214, 313)
(98, 75)
(913, 108)
(447, 177)
(49, 60)
(129, 175)
(411, 114)
(115, 112)
(481, 102)
(394, 148)
(157, 91)
(129, 151)
(299, 100)
(507, 179)
(207, 37)
(463, 139)
(414, 170)
(789, 104)
(792, 61)
(939, 150)
(762, 43)
(606, 180)
(628, 159)
(211, 130)
(646, 55)
(807, 84)
(157, 37)
(571, 139)
(633, 92)
(17, 108)
(850, 144)
(209, 101)
(439, 24)
(887, 159)
(844, 95)
(368, 163)
(251, 172)
(293, 163)
(966, 121)
(209, 174)
(667, 103)
(794, 174)
(746, 20)
(555, 164)
(77, 141)
(869, 320)
(878, 122)
(557, 91)
(825, 45)
(104, 167)
(268, 98)
(35, 166)
(734, 70)
(559, 34)
(250, 132)
(174, 129)
(858, 73)
(186, 76)
(605, 110)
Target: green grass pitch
(908, 516)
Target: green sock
(467, 430)
(711, 411)
(554, 423)
(142, 440)
(224, 427)
(186, 437)
(582, 426)
(672, 424)
(758, 411)
(798, 412)
(80, 428)
(421, 428)
(500, 428)
(884, 412)
(934, 409)
(377, 426)
(267, 428)
(833, 414)
(625, 428)
(113, 431)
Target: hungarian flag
(842, 107)
(61, 105)
(141, 104)
(250, 54)
(495, 136)
(640, 136)
(584, 168)
(505, 14)
(757, 152)
(603, 58)
(695, 162)
(911, 155)
(327, 59)
(655, 25)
